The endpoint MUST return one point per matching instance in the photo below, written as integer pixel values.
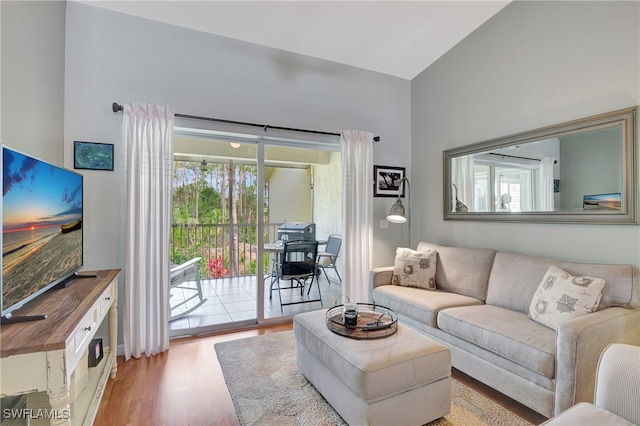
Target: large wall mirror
(583, 171)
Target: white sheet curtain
(546, 185)
(148, 151)
(463, 179)
(357, 212)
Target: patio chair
(297, 264)
(180, 274)
(328, 258)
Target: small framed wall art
(387, 181)
(92, 156)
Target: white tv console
(47, 360)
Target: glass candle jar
(350, 314)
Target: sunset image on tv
(41, 225)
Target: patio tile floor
(235, 299)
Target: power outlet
(384, 224)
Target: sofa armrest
(579, 343)
(378, 277)
(381, 276)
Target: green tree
(219, 194)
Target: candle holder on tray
(362, 321)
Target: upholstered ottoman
(403, 379)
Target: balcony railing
(223, 255)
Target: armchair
(616, 395)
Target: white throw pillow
(561, 296)
(415, 268)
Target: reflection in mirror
(580, 171)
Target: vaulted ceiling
(399, 38)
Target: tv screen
(42, 241)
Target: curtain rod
(117, 108)
(521, 158)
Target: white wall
(116, 57)
(289, 195)
(1, 27)
(32, 112)
(327, 203)
(533, 64)
(604, 177)
(327, 197)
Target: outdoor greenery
(214, 217)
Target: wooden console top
(64, 308)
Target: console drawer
(107, 298)
(82, 335)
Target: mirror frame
(629, 197)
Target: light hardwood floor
(185, 386)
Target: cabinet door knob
(88, 328)
(107, 298)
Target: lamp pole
(398, 213)
(405, 179)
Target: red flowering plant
(216, 267)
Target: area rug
(267, 389)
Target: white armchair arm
(617, 391)
(618, 381)
(579, 343)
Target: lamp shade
(396, 214)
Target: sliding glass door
(233, 201)
(215, 215)
(303, 202)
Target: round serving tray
(374, 322)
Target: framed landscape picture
(612, 201)
(387, 181)
(92, 156)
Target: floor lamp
(397, 213)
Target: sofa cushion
(462, 270)
(561, 296)
(509, 334)
(415, 268)
(515, 278)
(418, 304)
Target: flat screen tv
(42, 244)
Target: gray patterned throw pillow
(415, 268)
(562, 296)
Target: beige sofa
(480, 311)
